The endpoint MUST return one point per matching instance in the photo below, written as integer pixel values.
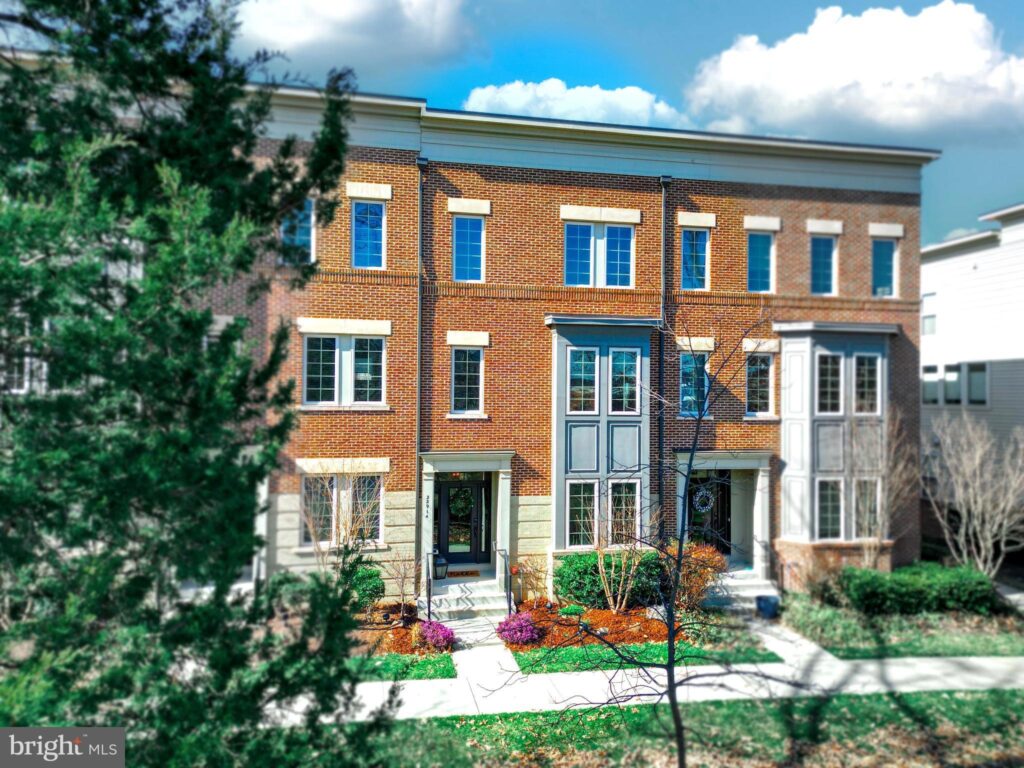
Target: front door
(462, 537)
(710, 512)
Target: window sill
(363, 407)
(693, 417)
(372, 546)
(768, 418)
(468, 417)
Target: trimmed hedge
(576, 579)
(919, 588)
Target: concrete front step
(740, 592)
(458, 601)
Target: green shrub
(577, 579)
(368, 586)
(919, 588)
(571, 611)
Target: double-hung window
(693, 384)
(582, 380)
(865, 384)
(339, 509)
(598, 255)
(883, 267)
(866, 498)
(695, 259)
(823, 265)
(368, 234)
(298, 232)
(830, 508)
(581, 512)
(467, 380)
(977, 384)
(623, 512)
(624, 392)
(759, 261)
(930, 385)
(952, 386)
(343, 370)
(759, 385)
(830, 384)
(468, 249)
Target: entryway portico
(465, 510)
(734, 490)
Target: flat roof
(975, 238)
(1003, 213)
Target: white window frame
(596, 531)
(707, 258)
(383, 234)
(599, 255)
(855, 529)
(344, 372)
(636, 513)
(483, 247)
(834, 291)
(312, 230)
(878, 384)
(842, 383)
(707, 386)
(341, 504)
(966, 378)
(895, 267)
(817, 507)
(597, 381)
(770, 413)
(772, 260)
(935, 323)
(639, 361)
(451, 382)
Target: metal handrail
(430, 583)
(509, 603)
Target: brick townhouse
(516, 322)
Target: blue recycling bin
(767, 606)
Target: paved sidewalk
(489, 681)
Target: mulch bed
(377, 637)
(633, 626)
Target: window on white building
(830, 384)
(830, 508)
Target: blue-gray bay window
(582, 381)
(759, 262)
(695, 259)
(823, 272)
(598, 255)
(581, 509)
(625, 381)
(367, 234)
(468, 248)
(883, 267)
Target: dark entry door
(710, 513)
(461, 533)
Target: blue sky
(934, 73)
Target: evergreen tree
(132, 438)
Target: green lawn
(881, 729)
(589, 657)
(400, 666)
(849, 635)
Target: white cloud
(553, 98)
(953, 234)
(372, 36)
(940, 72)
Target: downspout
(421, 166)
(665, 182)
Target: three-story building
(516, 323)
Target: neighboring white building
(972, 318)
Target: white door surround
(498, 462)
(760, 461)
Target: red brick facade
(524, 260)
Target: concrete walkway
(1013, 595)
(489, 681)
